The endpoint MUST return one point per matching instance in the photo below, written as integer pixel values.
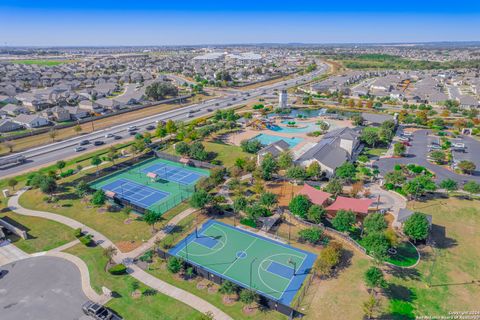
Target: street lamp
(251, 266)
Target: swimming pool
(302, 127)
(267, 139)
(304, 113)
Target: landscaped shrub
(118, 269)
(249, 222)
(86, 240)
(67, 173)
(78, 232)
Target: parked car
(98, 312)
(98, 143)
(150, 127)
(3, 273)
(434, 147)
(404, 139)
(84, 142)
(80, 148)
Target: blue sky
(160, 22)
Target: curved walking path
(142, 276)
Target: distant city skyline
(141, 23)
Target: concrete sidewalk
(9, 253)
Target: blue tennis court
(135, 193)
(171, 173)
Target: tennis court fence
(160, 208)
(192, 162)
(201, 272)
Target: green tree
(12, 183)
(314, 171)
(395, 178)
(200, 199)
(182, 148)
(109, 253)
(77, 128)
(370, 136)
(82, 188)
(300, 205)
(312, 235)
(399, 149)
(343, 220)
(96, 161)
(171, 127)
(334, 186)
(151, 218)
(268, 199)
(48, 185)
(296, 173)
(251, 146)
(98, 198)
(60, 165)
(316, 213)
(268, 166)
(374, 222)
(346, 171)
(418, 186)
(416, 227)
(240, 204)
(285, 160)
(159, 90)
(328, 258)
(374, 278)
(370, 306)
(376, 245)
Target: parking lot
(417, 153)
(41, 288)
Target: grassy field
(43, 234)
(144, 307)
(42, 62)
(123, 230)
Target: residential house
(58, 114)
(77, 113)
(90, 106)
(110, 104)
(31, 120)
(8, 125)
(15, 110)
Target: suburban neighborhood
(264, 180)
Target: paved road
(41, 288)
(417, 154)
(65, 149)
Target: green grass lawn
(114, 225)
(158, 269)
(43, 234)
(406, 255)
(374, 152)
(225, 153)
(451, 267)
(158, 306)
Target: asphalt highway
(50, 153)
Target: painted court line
(236, 258)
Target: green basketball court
(271, 268)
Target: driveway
(41, 288)
(9, 253)
(417, 154)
